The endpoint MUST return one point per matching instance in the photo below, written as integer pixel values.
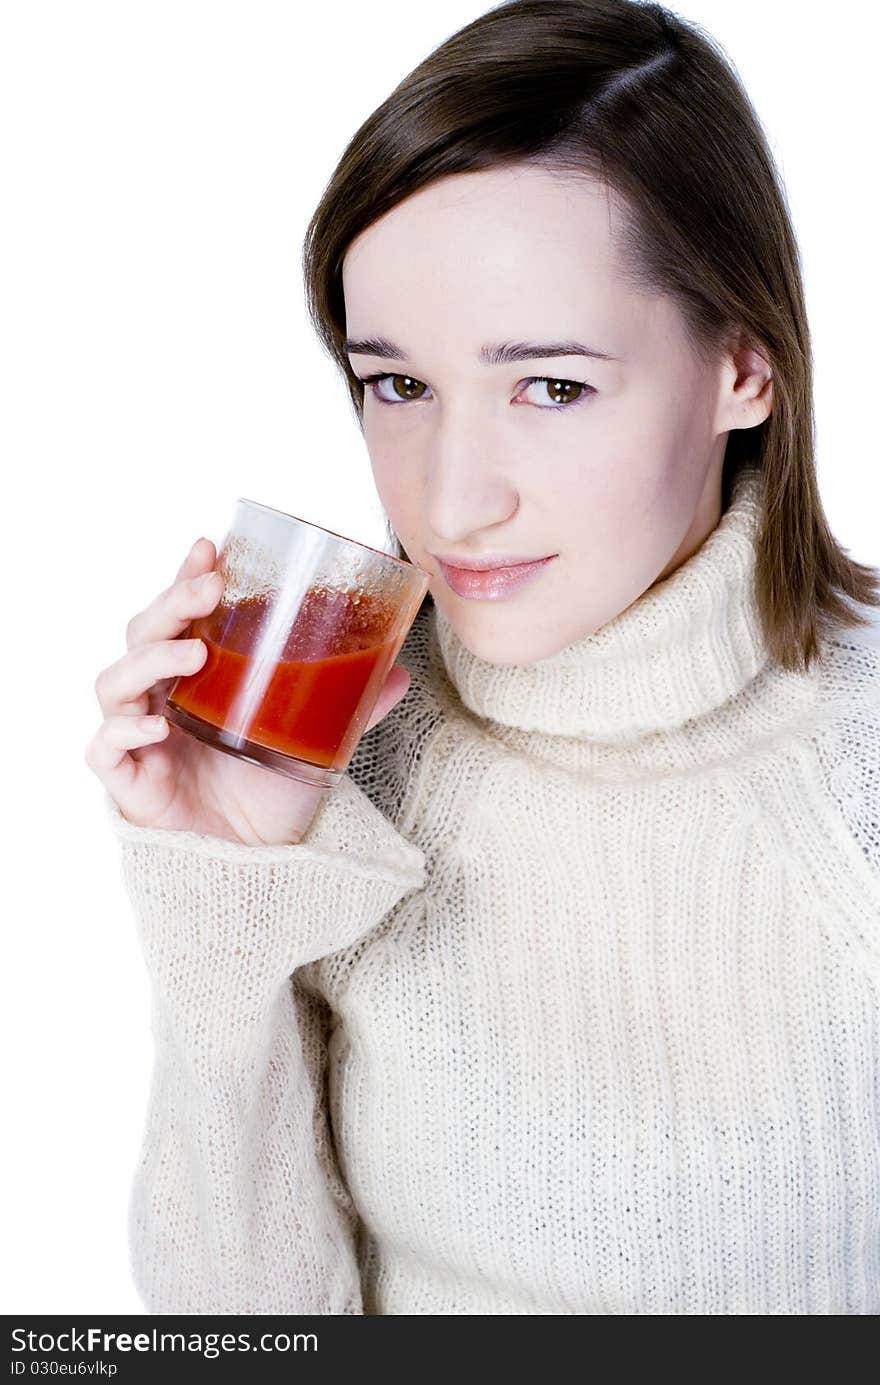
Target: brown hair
(648, 103)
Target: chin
(506, 640)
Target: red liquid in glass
(306, 702)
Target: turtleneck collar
(682, 648)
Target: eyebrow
(491, 353)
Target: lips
(493, 583)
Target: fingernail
(205, 578)
(194, 547)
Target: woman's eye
(560, 392)
(403, 387)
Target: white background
(160, 162)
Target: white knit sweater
(568, 1002)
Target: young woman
(565, 1001)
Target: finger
(123, 686)
(107, 753)
(168, 615)
(394, 688)
(200, 558)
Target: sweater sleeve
(236, 1205)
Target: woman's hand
(157, 774)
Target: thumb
(393, 689)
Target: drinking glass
(299, 645)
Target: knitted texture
(566, 1003)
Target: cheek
(612, 498)
(634, 456)
(397, 486)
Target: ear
(746, 386)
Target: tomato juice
(305, 691)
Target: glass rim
(401, 562)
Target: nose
(467, 489)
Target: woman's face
(614, 466)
